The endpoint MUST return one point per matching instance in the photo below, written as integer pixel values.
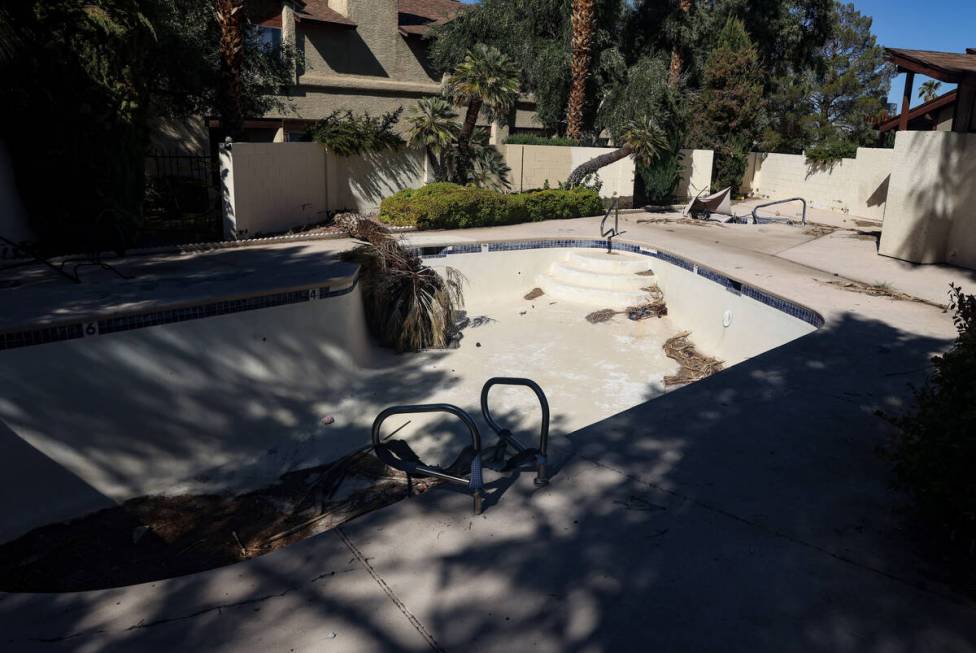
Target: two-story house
(358, 55)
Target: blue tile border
(130, 322)
(732, 285)
(43, 335)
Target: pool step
(595, 260)
(569, 273)
(588, 295)
(598, 280)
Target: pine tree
(731, 107)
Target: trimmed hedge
(532, 139)
(450, 206)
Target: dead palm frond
(409, 306)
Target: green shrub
(661, 178)
(935, 450)
(449, 206)
(532, 139)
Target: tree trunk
(462, 173)
(580, 66)
(230, 20)
(435, 164)
(677, 57)
(587, 168)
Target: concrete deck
(747, 512)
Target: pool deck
(750, 511)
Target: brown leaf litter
(694, 364)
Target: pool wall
(111, 407)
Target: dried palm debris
(694, 365)
(534, 294)
(602, 315)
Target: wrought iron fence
(183, 202)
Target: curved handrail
(506, 435)
(614, 231)
(475, 483)
(803, 219)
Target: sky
(945, 25)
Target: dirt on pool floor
(154, 537)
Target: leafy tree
(641, 139)
(730, 109)
(485, 79)
(582, 24)
(431, 124)
(95, 75)
(345, 133)
(929, 90)
(538, 36)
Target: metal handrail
(475, 483)
(803, 219)
(614, 231)
(506, 436)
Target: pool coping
(116, 321)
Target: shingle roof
(946, 66)
(416, 17)
(319, 11)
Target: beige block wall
(931, 215)
(271, 187)
(696, 172)
(13, 217)
(534, 165)
(857, 186)
(359, 183)
(274, 187)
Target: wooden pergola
(950, 67)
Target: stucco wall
(857, 186)
(13, 218)
(533, 165)
(273, 187)
(931, 215)
(270, 187)
(696, 172)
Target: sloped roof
(920, 111)
(945, 66)
(319, 11)
(417, 17)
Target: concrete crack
(434, 646)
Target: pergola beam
(906, 100)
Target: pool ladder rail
(611, 232)
(399, 455)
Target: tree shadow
(749, 511)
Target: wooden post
(962, 117)
(906, 100)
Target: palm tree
(230, 21)
(485, 79)
(929, 90)
(431, 125)
(642, 139)
(580, 66)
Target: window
(269, 38)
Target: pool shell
(70, 457)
